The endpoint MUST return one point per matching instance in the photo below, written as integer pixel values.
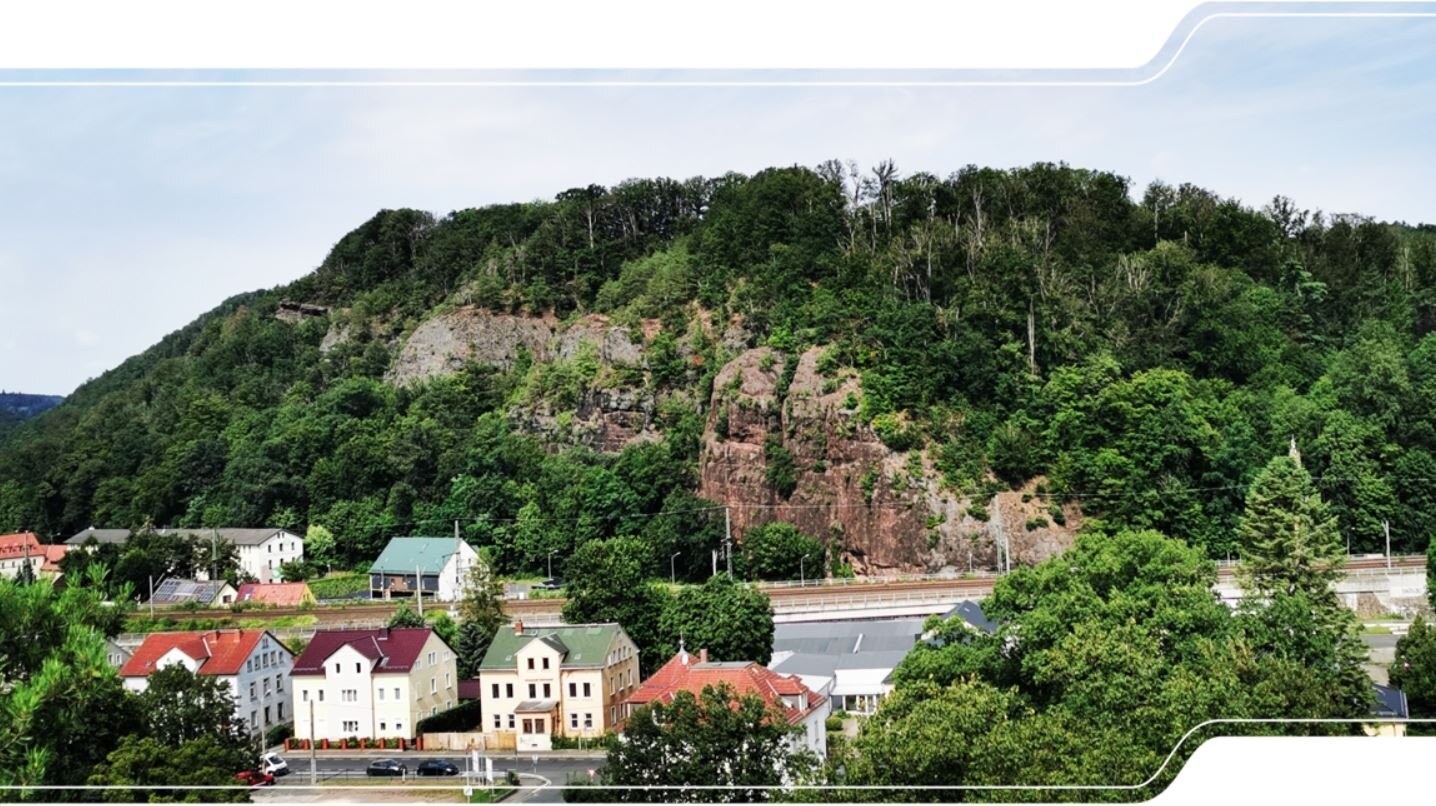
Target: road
(534, 771)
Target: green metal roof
(587, 644)
(404, 554)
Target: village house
(277, 594)
(261, 551)
(437, 566)
(544, 681)
(372, 684)
(23, 548)
(254, 663)
(203, 592)
(803, 707)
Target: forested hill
(909, 368)
(16, 407)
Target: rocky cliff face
(884, 511)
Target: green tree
(1290, 541)
(778, 550)
(732, 620)
(319, 546)
(141, 763)
(610, 580)
(406, 616)
(1414, 669)
(180, 706)
(715, 739)
(481, 614)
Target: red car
(254, 778)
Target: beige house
(372, 684)
(566, 681)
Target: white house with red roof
(20, 549)
(372, 684)
(254, 663)
(802, 706)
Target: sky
(127, 212)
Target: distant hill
(16, 407)
(924, 373)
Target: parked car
(386, 766)
(274, 765)
(550, 584)
(437, 766)
(254, 778)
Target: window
(349, 695)
(498, 722)
(573, 721)
(278, 683)
(587, 690)
(281, 712)
(357, 669)
(546, 691)
(496, 691)
(433, 684)
(321, 695)
(266, 687)
(448, 683)
(545, 663)
(396, 692)
(351, 725)
(573, 689)
(383, 726)
(253, 719)
(588, 720)
(266, 715)
(531, 665)
(381, 693)
(252, 695)
(528, 726)
(398, 726)
(533, 691)
(336, 668)
(509, 690)
(304, 695)
(432, 658)
(511, 721)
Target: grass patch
(491, 794)
(1375, 629)
(339, 586)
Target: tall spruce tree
(1290, 540)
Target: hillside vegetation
(551, 373)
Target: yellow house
(373, 684)
(567, 681)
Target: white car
(273, 764)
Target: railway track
(361, 614)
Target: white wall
(262, 561)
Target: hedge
(461, 718)
(339, 586)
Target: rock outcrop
(884, 511)
(444, 344)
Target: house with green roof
(434, 567)
(541, 682)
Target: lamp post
(550, 563)
(672, 569)
(802, 577)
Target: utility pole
(672, 569)
(419, 590)
(152, 595)
(213, 554)
(802, 577)
(313, 765)
(1386, 527)
(728, 538)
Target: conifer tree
(1290, 540)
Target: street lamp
(550, 563)
(802, 578)
(672, 569)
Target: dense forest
(1145, 352)
(16, 407)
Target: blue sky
(125, 213)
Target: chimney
(518, 628)
(702, 656)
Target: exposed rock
(615, 345)
(291, 311)
(336, 335)
(444, 344)
(606, 420)
(885, 512)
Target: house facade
(437, 567)
(373, 684)
(261, 551)
(806, 710)
(254, 663)
(22, 548)
(206, 593)
(567, 681)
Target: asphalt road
(542, 771)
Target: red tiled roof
(277, 593)
(20, 544)
(220, 652)
(685, 672)
(396, 649)
(53, 554)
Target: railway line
(784, 595)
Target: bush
(1033, 524)
(462, 717)
(781, 473)
(977, 512)
(277, 734)
(894, 433)
(339, 586)
(834, 723)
